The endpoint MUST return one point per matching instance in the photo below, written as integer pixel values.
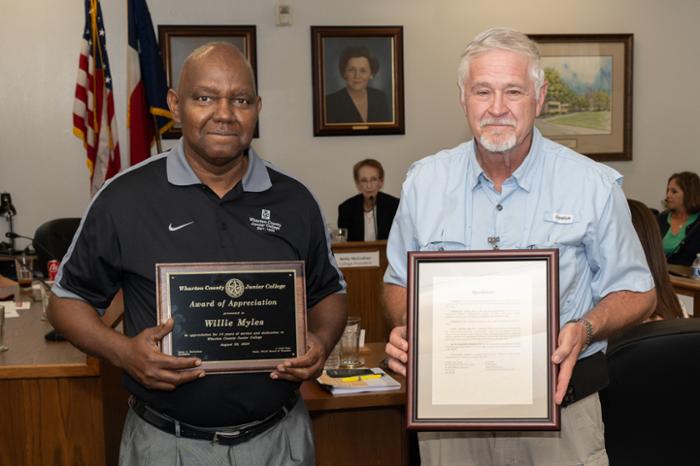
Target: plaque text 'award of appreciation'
(234, 316)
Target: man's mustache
(497, 121)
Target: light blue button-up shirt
(555, 199)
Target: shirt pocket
(562, 231)
(443, 246)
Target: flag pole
(159, 146)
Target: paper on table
(337, 386)
(10, 309)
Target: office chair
(52, 239)
(651, 407)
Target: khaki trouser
(580, 442)
(289, 442)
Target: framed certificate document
(234, 316)
(482, 326)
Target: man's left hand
(306, 367)
(571, 339)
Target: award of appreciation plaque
(234, 316)
(482, 326)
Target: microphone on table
(13, 235)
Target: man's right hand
(144, 361)
(397, 350)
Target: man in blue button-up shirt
(511, 188)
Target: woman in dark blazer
(368, 215)
(357, 102)
(680, 223)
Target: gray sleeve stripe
(61, 292)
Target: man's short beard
(504, 145)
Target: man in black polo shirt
(210, 199)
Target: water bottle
(695, 268)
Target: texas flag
(148, 109)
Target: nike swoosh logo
(179, 227)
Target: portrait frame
(482, 327)
(177, 41)
(589, 103)
(334, 112)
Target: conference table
(57, 405)
(362, 428)
(60, 407)
(683, 284)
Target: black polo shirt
(159, 211)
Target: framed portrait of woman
(357, 80)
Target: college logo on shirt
(265, 223)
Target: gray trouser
(289, 442)
(580, 442)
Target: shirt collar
(180, 172)
(523, 175)
(474, 170)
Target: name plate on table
(234, 316)
(482, 326)
(357, 259)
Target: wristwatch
(589, 330)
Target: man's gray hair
(501, 38)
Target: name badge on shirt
(562, 218)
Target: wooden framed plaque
(482, 326)
(234, 316)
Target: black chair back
(51, 241)
(651, 408)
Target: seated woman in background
(368, 216)
(667, 305)
(679, 224)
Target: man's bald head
(213, 51)
(216, 105)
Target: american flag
(93, 110)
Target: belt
(231, 435)
(590, 376)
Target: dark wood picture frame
(590, 97)
(248, 308)
(177, 41)
(335, 114)
(440, 287)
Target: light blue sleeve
(402, 237)
(614, 252)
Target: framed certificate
(234, 316)
(482, 326)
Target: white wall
(43, 165)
